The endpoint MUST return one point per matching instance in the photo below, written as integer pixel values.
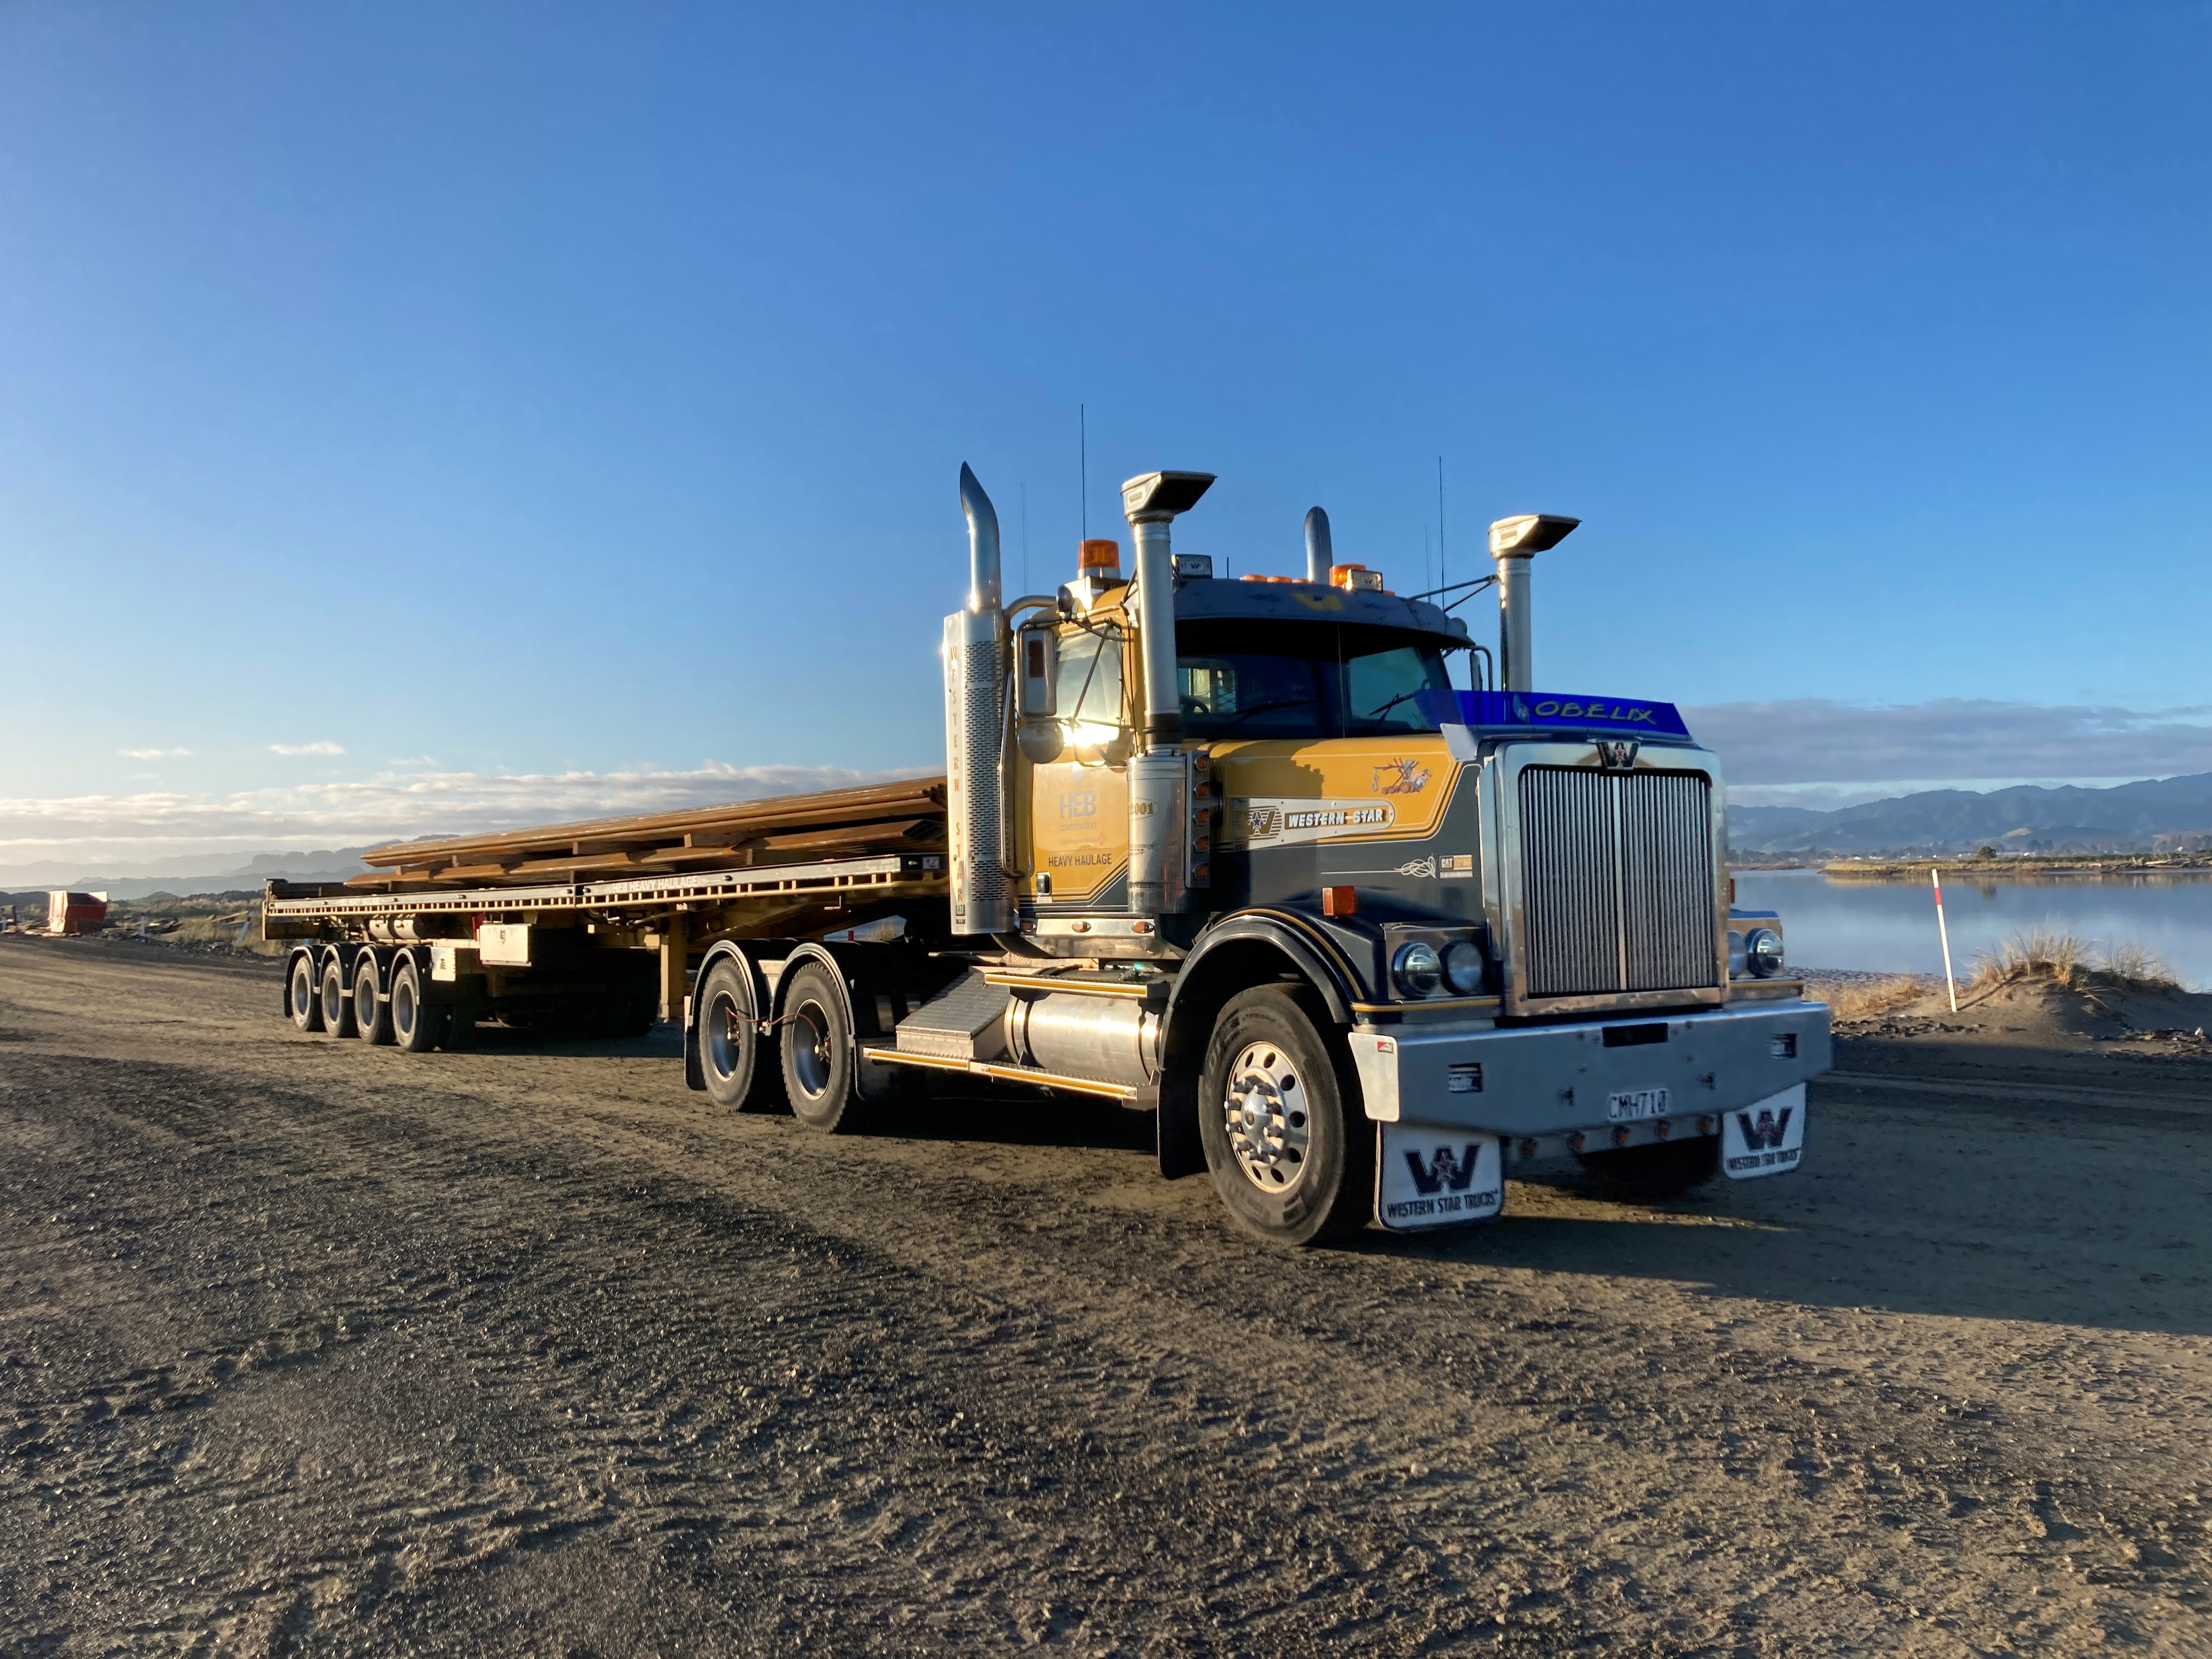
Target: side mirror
(1036, 693)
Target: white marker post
(1935, 876)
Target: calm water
(1890, 927)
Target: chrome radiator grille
(1616, 882)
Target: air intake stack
(1159, 779)
(975, 696)
(1513, 543)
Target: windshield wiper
(1244, 714)
(1402, 696)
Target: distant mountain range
(215, 873)
(2166, 814)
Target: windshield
(1247, 679)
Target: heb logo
(1770, 1131)
(1447, 1171)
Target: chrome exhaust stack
(1513, 543)
(974, 701)
(1320, 552)
(1159, 779)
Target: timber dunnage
(887, 816)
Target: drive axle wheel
(819, 1063)
(416, 1026)
(303, 998)
(372, 1014)
(731, 1052)
(1291, 1157)
(337, 1006)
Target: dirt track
(308, 1346)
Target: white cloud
(320, 746)
(390, 807)
(1954, 740)
(150, 754)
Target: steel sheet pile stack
(903, 816)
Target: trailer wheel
(730, 1048)
(1664, 1169)
(372, 1014)
(416, 1026)
(819, 1063)
(337, 1006)
(1289, 1153)
(303, 998)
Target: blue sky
(557, 409)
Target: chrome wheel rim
(403, 1007)
(724, 1047)
(1269, 1118)
(810, 1051)
(364, 1001)
(303, 992)
(334, 1002)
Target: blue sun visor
(1502, 712)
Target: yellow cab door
(1079, 804)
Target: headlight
(1463, 967)
(1417, 969)
(1762, 953)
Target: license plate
(1633, 1105)
(1436, 1177)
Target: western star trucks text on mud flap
(1456, 1107)
(1361, 930)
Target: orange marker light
(1340, 901)
(1355, 578)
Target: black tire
(416, 1026)
(1665, 1168)
(372, 1013)
(337, 1006)
(814, 1041)
(1279, 1039)
(731, 1052)
(303, 997)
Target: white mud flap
(1766, 1138)
(1426, 1176)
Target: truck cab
(1498, 917)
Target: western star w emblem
(1616, 755)
(1770, 1130)
(1446, 1171)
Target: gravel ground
(310, 1347)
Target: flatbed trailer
(1247, 858)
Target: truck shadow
(2096, 1233)
(1019, 1117)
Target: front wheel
(1291, 1155)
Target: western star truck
(1362, 935)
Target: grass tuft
(2072, 963)
(1870, 999)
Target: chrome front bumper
(1550, 1085)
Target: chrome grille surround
(1604, 884)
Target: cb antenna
(1082, 462)
(1444, 577)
